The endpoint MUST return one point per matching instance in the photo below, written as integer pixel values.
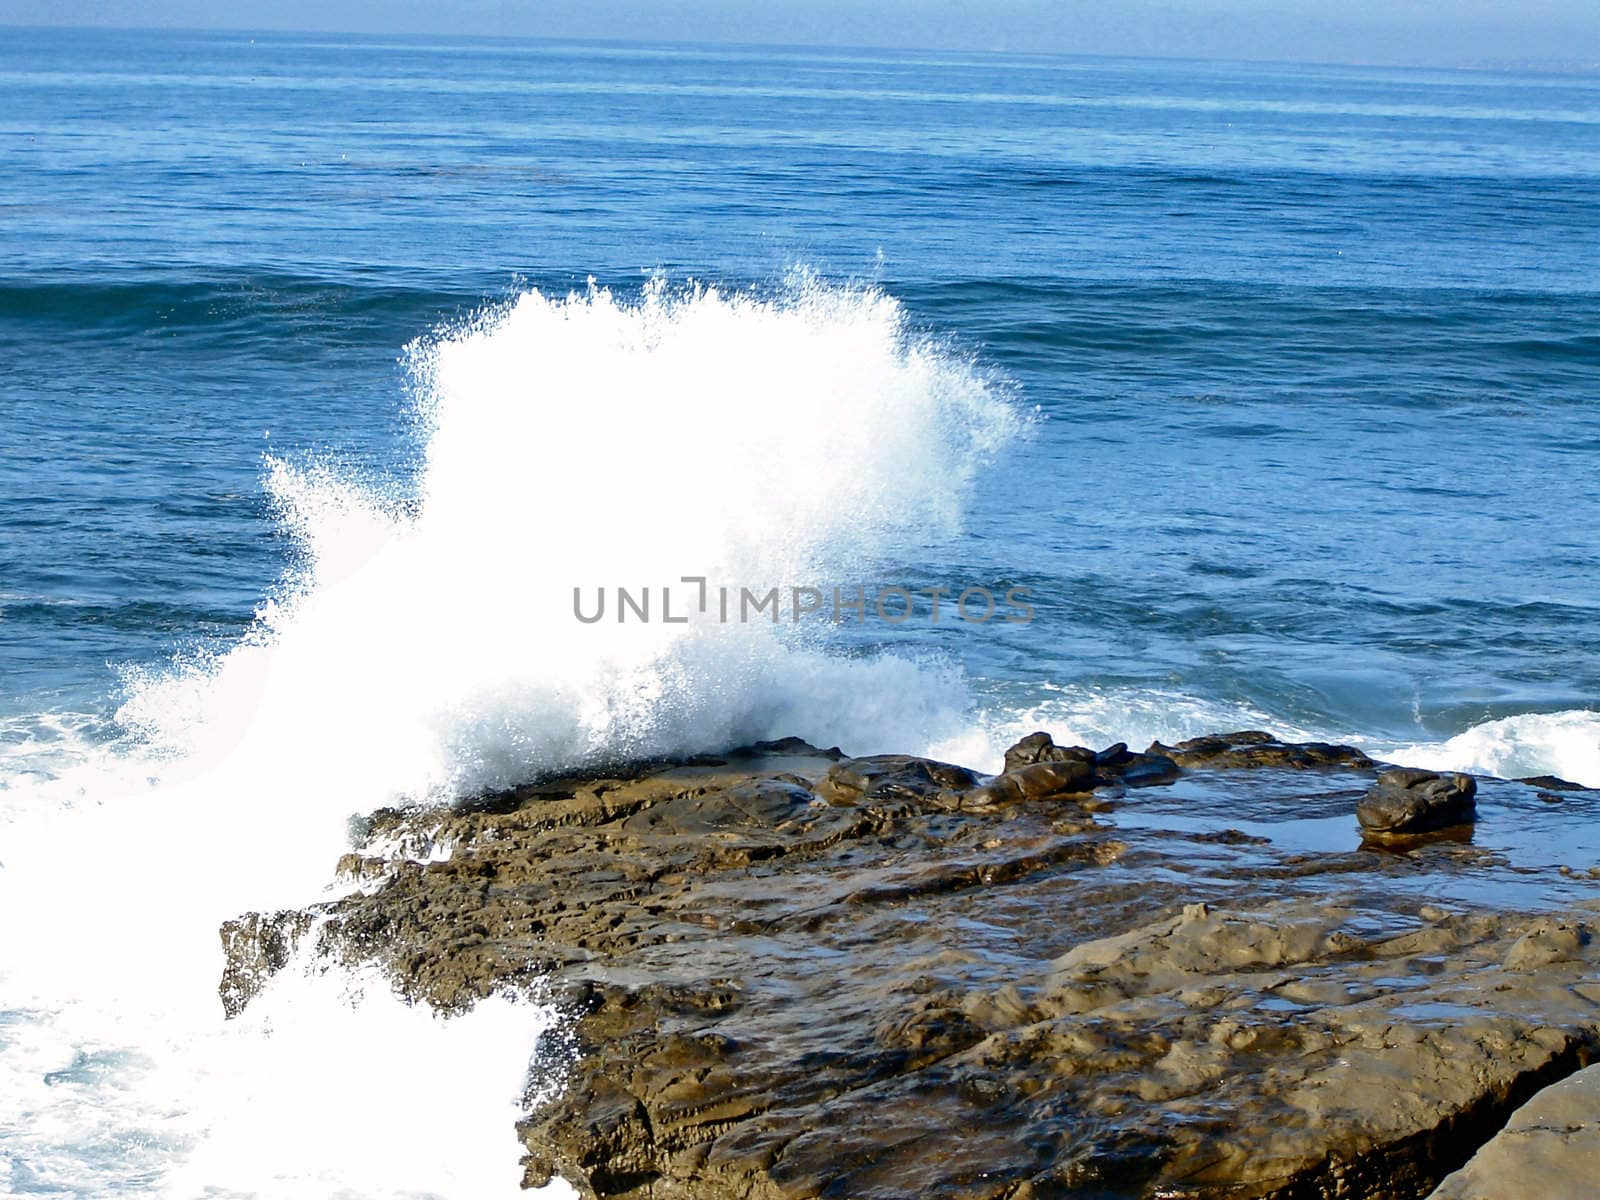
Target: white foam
(426, 647)
(328, 1085)
(1077, 714)
(585, 442)
(1566, 744)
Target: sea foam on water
(426, 648)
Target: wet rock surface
(1256, 748)
(1407, 801)
(793, 974)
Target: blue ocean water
(331, 365)
(1317, 346)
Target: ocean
(340, 373)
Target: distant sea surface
(1318, 347)
(1276, 387)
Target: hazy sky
(1387, 31)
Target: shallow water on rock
(1530, 848)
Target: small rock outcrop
(255, 947)
(1113, 766)
(1255, 748)
(894, 776)
(1408, 801)
(1036, 768)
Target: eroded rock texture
(1549, 1150)
(1255, 748)
(792, 974)
(1408, 801)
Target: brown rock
(255, 947)
(794, 976)
(1255, 748)
(1407, 801)
(896, 776)
(1549, 1150)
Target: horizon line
(1547, 66)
